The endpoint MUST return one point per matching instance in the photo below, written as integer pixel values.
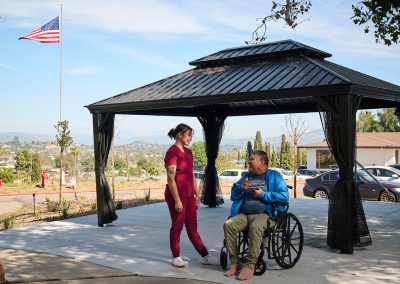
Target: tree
(249, 151)
(295, 128)
(367, 122)
(388, 121)
(199, 154)
(75, 151)
(23, 160)
(384, 15)
(258, 145)
(36, 168)
(285, 156)
(64, 140)
(273, 162)
(268, 149)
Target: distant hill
(87, 139)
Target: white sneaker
(209, 260)
(178, 262)
(185, 258)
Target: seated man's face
(257, 165)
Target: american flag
(49, 33)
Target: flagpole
(61, 67)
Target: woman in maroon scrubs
(182, 196)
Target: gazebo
(273, 78)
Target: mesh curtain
(347, 226)
(103, 125)
(397, 113)
(213, 128)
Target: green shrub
(119, 204)
(9, 222)
(38, 215)
(147, 195)
(7, 175)
(52, 206)
(64, 207)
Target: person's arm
(196, 191)
(171, 171)
(239, 187)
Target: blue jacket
(276, 191)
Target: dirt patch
(51, 211)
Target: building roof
(272, 78)
(367, 140)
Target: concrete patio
(138, 243)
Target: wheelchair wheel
(223, 257)
(287, 240)
(260, 268)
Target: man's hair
(263, 155)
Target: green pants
(256, 224)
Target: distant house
(373, 148)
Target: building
(373, 148)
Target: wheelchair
(283, 241)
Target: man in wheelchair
(252, 196)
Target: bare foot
(233, 269)
(245, 274)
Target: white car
(385, 173)
(286, 174)
(231, 175)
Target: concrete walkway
(137, 244)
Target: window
(333, 176)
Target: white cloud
(9, 67)
(115, 16)
(84, 70)
(140, 55)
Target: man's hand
(257, 192)
(197, 199)
(245, 184)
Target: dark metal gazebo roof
(277, 77)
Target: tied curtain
(213, 128)
(103, 128)
(347, 226)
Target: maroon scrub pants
(187, 216)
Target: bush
(64, 207)
(119, 204)
(9, 222)
(7, 175)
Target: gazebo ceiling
(272, 78)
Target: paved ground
(137, 244)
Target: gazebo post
(346, 219)
(103, 129)
(213, 127)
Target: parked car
(396, 166)
(232, 175)
(198, 175)
(284, 173)
(321, 186)
(385, 173)
(305, 174)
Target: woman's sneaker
(209, 260)
(178, 262)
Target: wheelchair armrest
(276, 213)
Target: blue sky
(114, 46)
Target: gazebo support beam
(346, 219)
(103, 132)
(213, 128)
